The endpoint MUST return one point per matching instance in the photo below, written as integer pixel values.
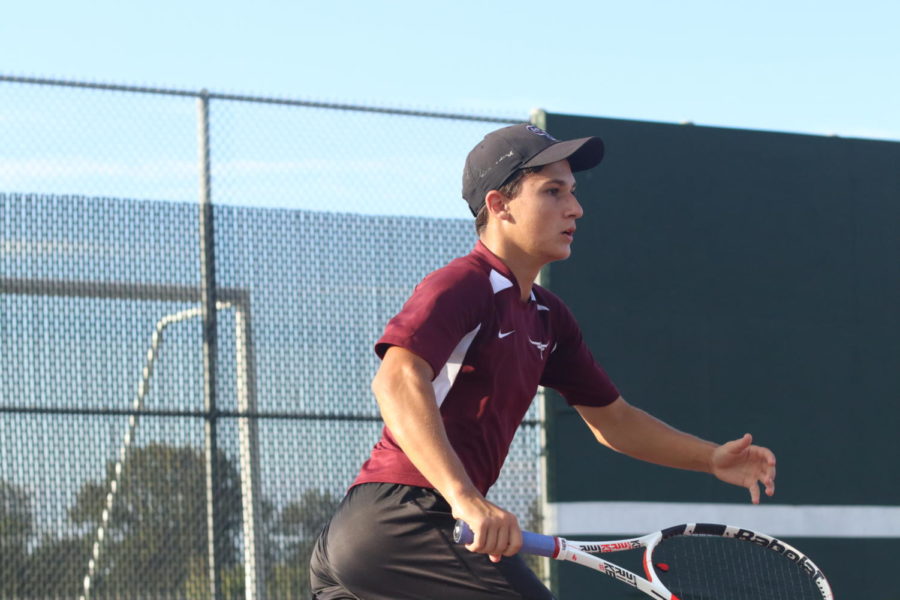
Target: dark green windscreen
(734, 281)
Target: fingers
(497, 540)
(730, 451)
(754, 493)
(493, 540)
(496, 534)
(513, 543)
(742, 463)
(741, 444)
(768, 484)
(769, 481)
(496, 547)
(766, 461)
(765, 476)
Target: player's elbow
(611, 425)
(605, 439)
(393, 378)
(381, 383)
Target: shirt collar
(494, 261)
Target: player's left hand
(741, 463)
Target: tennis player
(461, 363)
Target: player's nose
(575, 209)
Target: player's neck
(524, 267)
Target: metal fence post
(210, 339)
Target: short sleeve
(446, 306)
(571, 369)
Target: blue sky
(823, 67)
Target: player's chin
(561, 252)
(553, 250)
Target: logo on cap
(539, 131)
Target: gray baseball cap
(501, 153)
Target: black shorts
(394, 542)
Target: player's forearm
(654, 441)
(634, 432)
(408, 407)
(410, 412)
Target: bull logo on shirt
(540, 346)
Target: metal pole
(538, 117)
(251, 486)
(208, 311)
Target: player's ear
(497, 205)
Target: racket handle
(532, 543)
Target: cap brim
(582, 154)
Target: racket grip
(532, 543)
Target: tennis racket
(697, 561)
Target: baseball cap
(501, 153)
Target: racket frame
(585, 553)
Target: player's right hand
(497, 532)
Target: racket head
(704, 560)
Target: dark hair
(510, 189)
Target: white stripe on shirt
(444, 380)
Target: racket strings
(716, 568)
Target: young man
(461, 363)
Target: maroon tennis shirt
(490, 351)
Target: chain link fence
(185, 368)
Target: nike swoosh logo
(502, 335)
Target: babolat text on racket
(697, 561)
